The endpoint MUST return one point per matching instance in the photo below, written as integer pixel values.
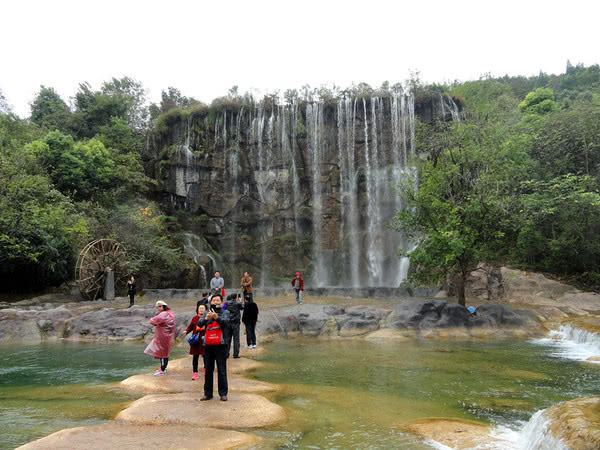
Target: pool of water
(340, 393)
(359, 393)
(50, 386)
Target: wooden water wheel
(92, 263)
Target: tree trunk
(460, 288)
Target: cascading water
(325, 170)
(573, 343)
(194, 246)
(314, 122)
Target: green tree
(455, 216)
(50, 111)
(539, 102)
(39, 227)
(5, 107)
(95, 109)
(133, 94)
(83, 169)
(558, 225)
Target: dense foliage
(516, 181)
(72, 174)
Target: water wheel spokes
(93, 261)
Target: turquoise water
(358, 393)
(50, 386)
(339, 393)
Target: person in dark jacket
(250, 317)
(235, 308)
(131, 290)
(217, 352)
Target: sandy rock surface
(238, 365)
(176, 382)
(242, 410)
(454, 433)
(117, 436)
(577, 423)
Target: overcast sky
(205, 47)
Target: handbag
(193, 339)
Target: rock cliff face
(277, 188)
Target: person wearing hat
(160, 347)
(298, 286)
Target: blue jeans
(298, 296)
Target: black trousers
(216, 353)
(250, 333)
(234, 335)
(131, 296)
(195, 362)
(163, 363)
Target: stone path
(173, 416)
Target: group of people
(214, 328)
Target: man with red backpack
(216, 320)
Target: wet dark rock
(497, 314)
(424, 317)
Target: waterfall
(194, 246)
(451, 109)
(537, 435)
(332, 168)
(295, 179)
(534, 434)
(572, 343)
(314, 122)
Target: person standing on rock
(250, 317)
(298, 286)
(235, 308)
(217, 285)
(197, 349)
(160, 347)
(247, 286)
(131, 291)
(214, 320)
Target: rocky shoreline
(418, 318)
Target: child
(197, 349)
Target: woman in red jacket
(197, 349)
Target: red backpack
(213, 335)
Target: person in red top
(197, 349)
(298, 286)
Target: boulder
(119, 436)
(576, 423)
(499, 315)
(453, 433)
(242, 410)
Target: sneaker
(248, 346)
(159, 373)
(195, 376)
(253, 346)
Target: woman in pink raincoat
(160, 347)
